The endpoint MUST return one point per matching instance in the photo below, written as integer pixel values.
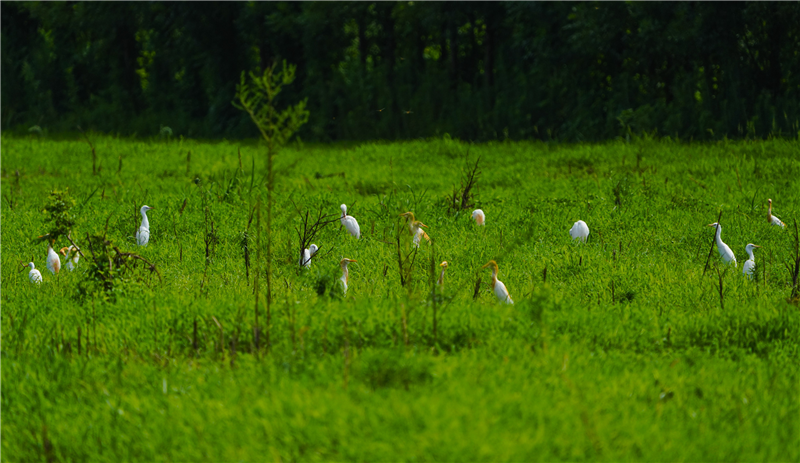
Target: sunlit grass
(617, 349)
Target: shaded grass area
(567, 402)
(616, 349)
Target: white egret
(750, 263)
(443, 265)
(415, 227)
(345, 273)
(305, 261)
(420, 233)
(479, 217)
(579, 230)
(143, 233)
(724, 250)
(771, 218)
(71, 253)
(34, 275)
(499, 288)
(350, 222)
(53, 262)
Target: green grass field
(622, 348)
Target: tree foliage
(258, 99)
(475, 70)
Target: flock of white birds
(579, 231)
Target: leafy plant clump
(111, 271)
(59, 216)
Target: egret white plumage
(350, 222)
(419, 234)
(479, 217)
(771, 218)
(34, 275)
(305, 260)
(345, 272)
(415, 227)
(750, 263)
(579, 230)
(71, 253)
(499, 288)
(53, 262)
(724, 250)
(143, 233)
(443, 265)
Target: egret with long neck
(440, 283)
(415, 228)
(345, 273)
(724, 250)
(499, 288)
(771, 218)
(350, 222)
(143, 233)
(750, 263)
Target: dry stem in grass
(464, 198)
(405, 264)
(312, 229)
(711, 251)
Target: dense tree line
(568, 71)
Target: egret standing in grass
(34, 275)
(479, 217)
(71, 253)
(305, 260)
(53, 262)
(415, 227)
(579, 230)
(724, 250)
(345, 273)
(499, 288)
(143, 233)
(750, 263)
(440, 283)
(349, 222)
(771, 218)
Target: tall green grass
(620, 348)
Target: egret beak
(490, 263)
(352, 260)
(423, 225)
(63, 253)
(711, 225)
(756, 246)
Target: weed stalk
(710, 251)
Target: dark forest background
(478, 71)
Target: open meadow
(631, 346)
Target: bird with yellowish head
(499, 288)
